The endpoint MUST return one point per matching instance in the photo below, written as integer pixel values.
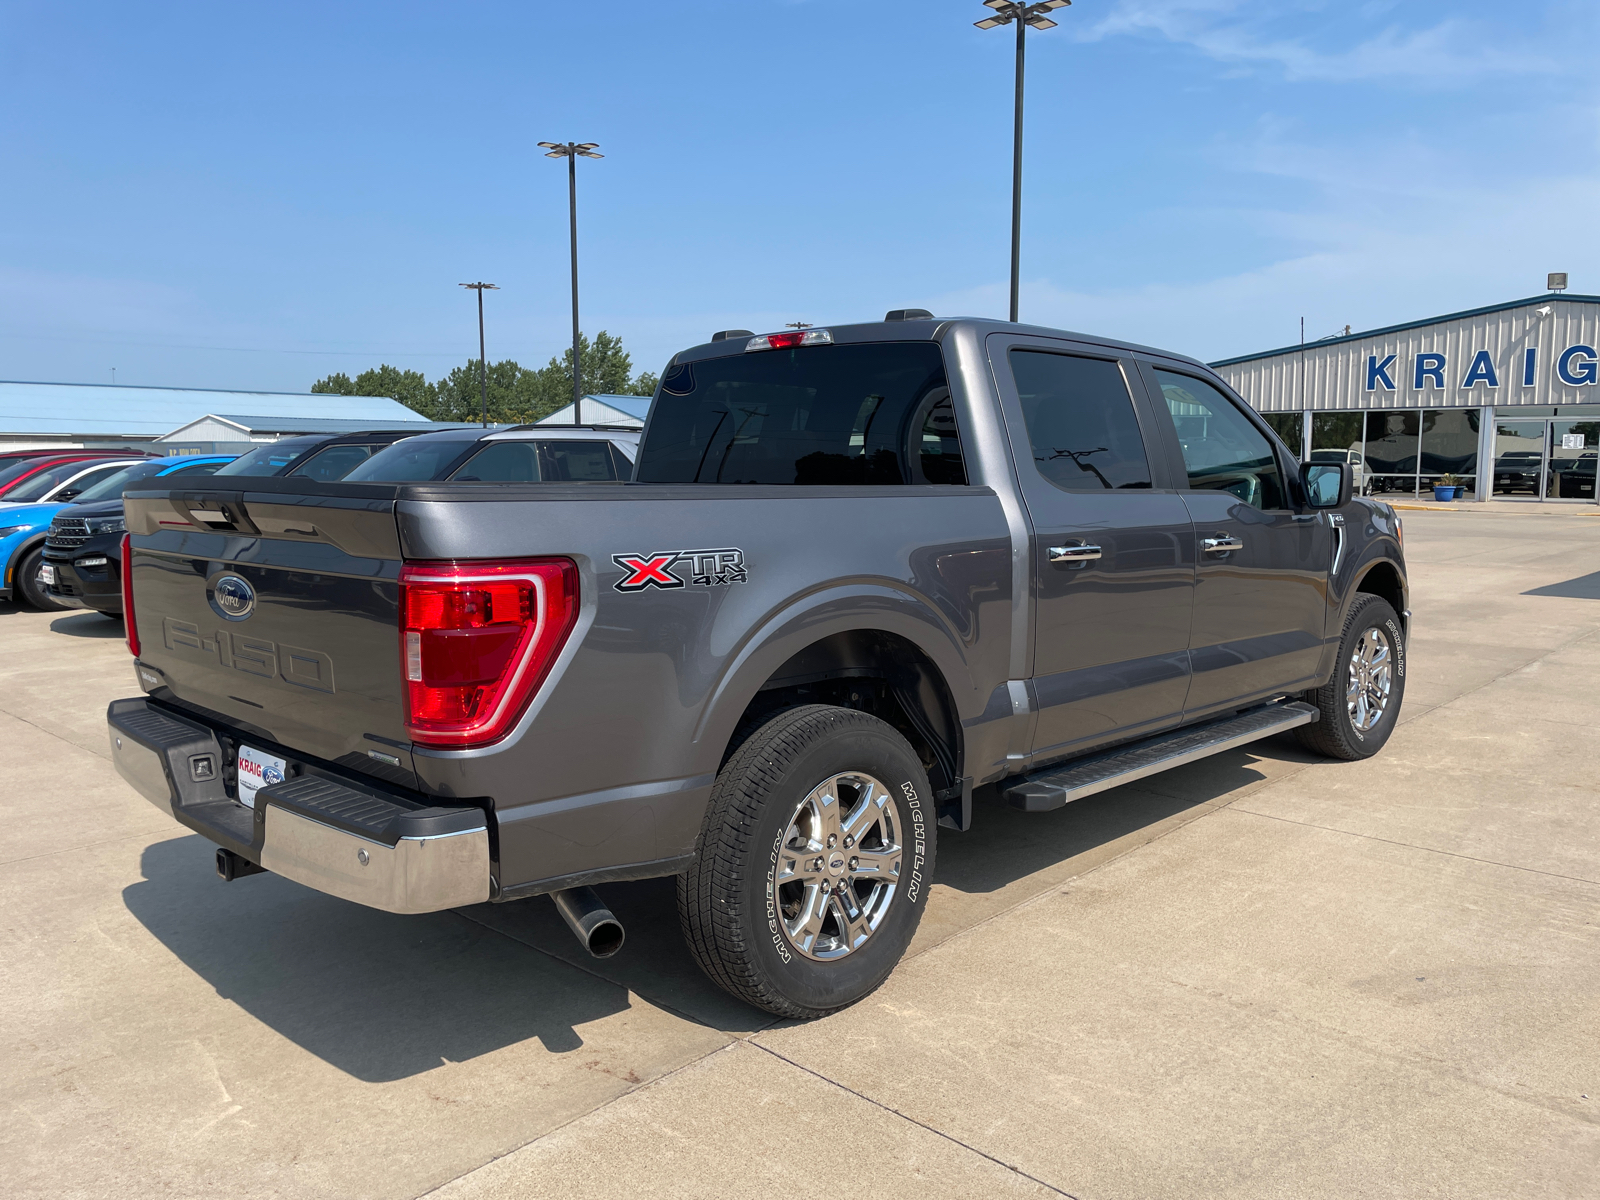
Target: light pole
(483, 364)
(1006, 12)
(572, 151)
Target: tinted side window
(1222, 450)
(846, 414)
(1080, 420)
(333, 463)
(501, 462)
(577, 461)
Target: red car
(19, 466)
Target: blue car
(25, 576)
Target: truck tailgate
(278, 612)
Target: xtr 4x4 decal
(704, 568)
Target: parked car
(1518, 471)
(25, 515)
(20, 469)
(861, 573)
(522, 454)
(81, 564)
(1362, 485)
(319, 457)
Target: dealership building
(1504, 398)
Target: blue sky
(253, 196)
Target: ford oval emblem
(233, 597)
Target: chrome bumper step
(1055, 786)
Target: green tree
(516, 394)
(411, 388)
(511, 394)
(607, 369)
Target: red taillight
(128, 622)
(477, 640)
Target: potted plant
(1448, 487)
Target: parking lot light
(1023, 15)
(572, 152)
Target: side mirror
(1327, 485)
(66, 494)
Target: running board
(1054, 786)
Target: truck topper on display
(860, 573)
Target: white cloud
(1452, 52)
(1438, 255)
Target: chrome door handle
(1222, 544)
(1074, 553)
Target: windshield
(414, 460)
(333, 462)
(46, 481)
(110, 488)
(873, 413)
(17, 469)
(267, 460)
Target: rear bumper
(354, 843)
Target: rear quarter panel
(614, 761)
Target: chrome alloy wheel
(1371, 676)
(838, 866)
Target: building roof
(1366, 335)
(258, 425)
(120, 410)
(607, 409)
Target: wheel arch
(884, 653)
(1383, 579)
(23, 549)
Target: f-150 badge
(703, 568)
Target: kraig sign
(1577, 366)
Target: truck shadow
(88, 625)
(379, 996)
(1005, 845)
(383, 997)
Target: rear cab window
(876, 413)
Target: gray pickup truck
(860, 572)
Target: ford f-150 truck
(860, 572)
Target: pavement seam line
(54, 734)
(554, 1129)
(1489, 862)
(911, 1120)
(11, 862)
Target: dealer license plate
(47, 573)
(257, 769)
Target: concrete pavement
(1261, 975)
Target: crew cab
(861, 573)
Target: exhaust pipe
(231, 866)
(590, 920)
